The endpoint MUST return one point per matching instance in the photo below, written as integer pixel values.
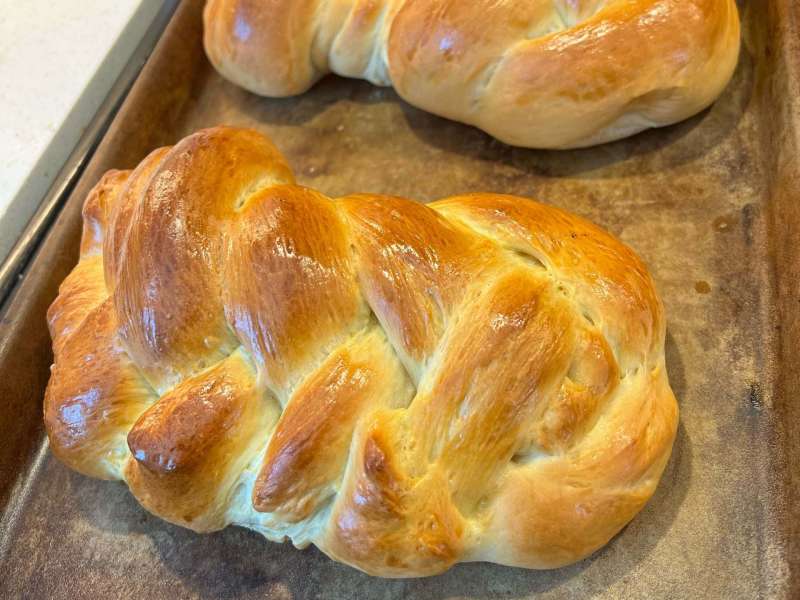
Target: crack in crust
(533, 73)
(405, 386)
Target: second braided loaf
(533, 73)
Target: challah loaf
(534, 73)
(406, 386)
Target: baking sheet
(711, 204)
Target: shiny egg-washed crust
(534, 73)
(406, 386)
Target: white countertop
(58, 60)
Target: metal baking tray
(712, 205)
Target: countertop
(58, 60)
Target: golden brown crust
(406, 386)
(251, 31)
(535, 73)
(578, 500)
(309, 446)
(178, 245)
(190, 446)
(95, 393)
(120, 214)
(97, 209)
(413, 264)
(386, 522)
(290, 258)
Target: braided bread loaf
(534, 73)
(405, 386)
